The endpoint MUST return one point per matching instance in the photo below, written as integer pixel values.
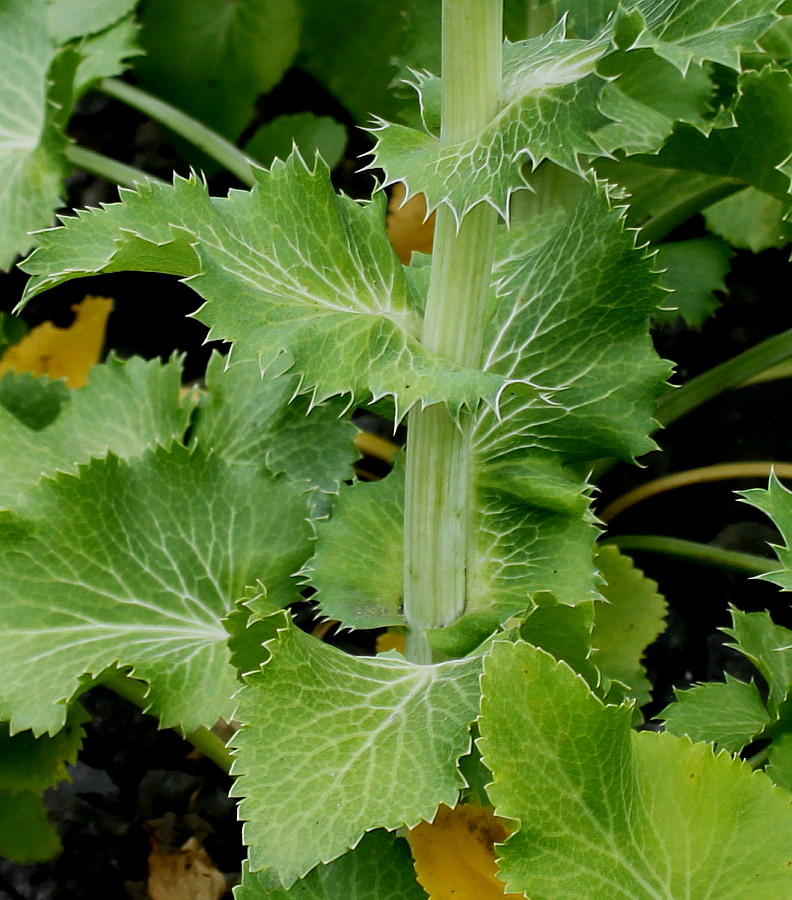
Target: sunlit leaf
(334, 746)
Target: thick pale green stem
(437, 500)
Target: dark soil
(136, 785)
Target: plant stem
(105, 167)
(720, 472)
(437, 497)
(202, 738)
(691, 551)
(658, 227)
(730, 374)
(213, 144)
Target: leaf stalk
(213, 144)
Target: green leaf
(134, 564)
(248, 419)
(656, 192)
(379, 868)
(328, 289)
(382, 737)
(549, 111)
(250, 625)
(776, 502)
(587, 18)
(29, 763)
(311, 134)
(750, 220)
(734, 152)
(106, 54)
(366, 524)
(685, 31)
(562, 327)
(26, 835)
(769, 648)
(212, 58)
(592, 798)
(358, 49)
(649, 90)
(67, 19)
(35, 400)
(532, 530)
(31, 147)
(125, 408)
(729, 714)
(564, 632)
(779, 766)
(12, 330)
(630, 619)
(694, 270)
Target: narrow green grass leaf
(335, 746)
(591, 798)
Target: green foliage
(213, 59)
(165, 534)
(694, 269)
(631, 618)
(31, 161)
(382, 738)
(592, 797)
(311, 134)
(733, 714)
(380, 866)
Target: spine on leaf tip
(438, 484)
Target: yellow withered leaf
(455, 857)
(392, 639)
(63, 352)
(409, 229)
